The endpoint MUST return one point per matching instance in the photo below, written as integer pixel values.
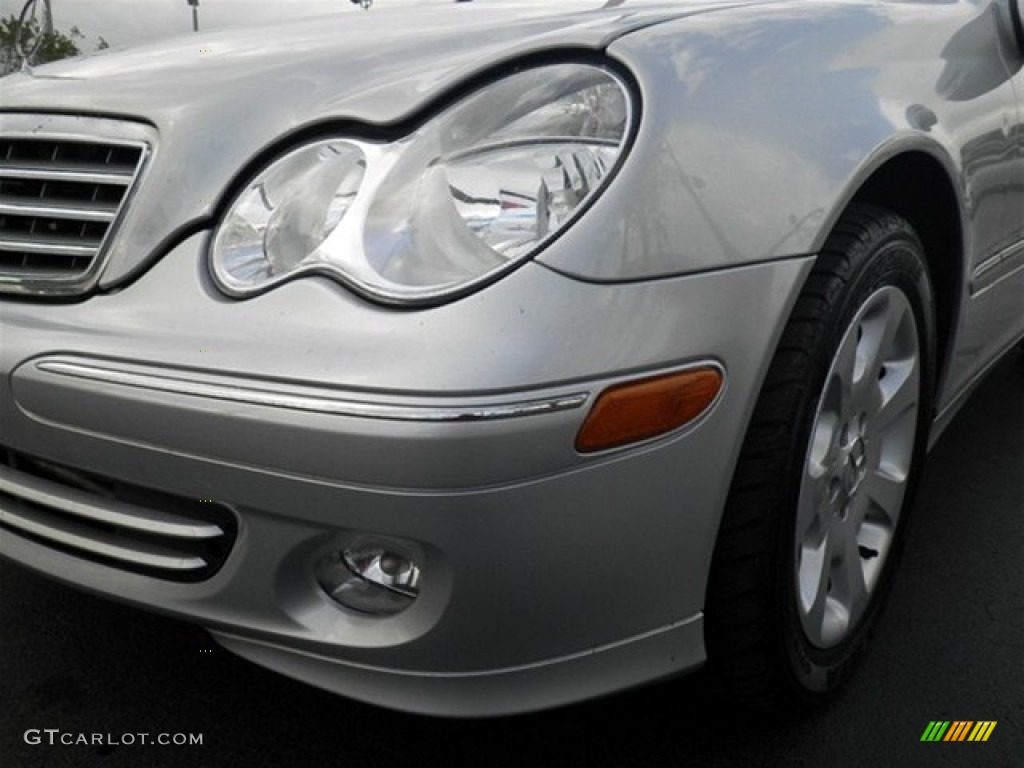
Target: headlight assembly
(474, 192)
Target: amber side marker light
(640, 410)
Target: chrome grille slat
(83, 204)
(44, 246)
(56, 212)
(13, 264)
(60, 199)
(81, 538)
(79, 177)
(77, 502)
(120, 525)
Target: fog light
(370, 578)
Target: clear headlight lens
(474, 192)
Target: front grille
(59, 201)
(118, 524)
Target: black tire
(764, 601)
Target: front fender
(760, 124)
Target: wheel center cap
(855, 467)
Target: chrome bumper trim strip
(336, 406)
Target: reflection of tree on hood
(973, 65)
(53, 45)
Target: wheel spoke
(845, 373)
(814, 579)
(835, 621)
(813, 505)
(881, 327)
(873, 539)
(899, 392)
(824, 439)
(885, 493)
(872, 332)
(854, 591)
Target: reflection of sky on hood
(129, 22)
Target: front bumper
(548, 576)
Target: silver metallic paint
(531, 595)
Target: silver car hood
(218, 100)
(377, 67)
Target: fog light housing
(375, 579)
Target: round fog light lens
(370, 578)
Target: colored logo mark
(958, 730)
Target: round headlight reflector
(286, 213)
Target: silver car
(482, 357)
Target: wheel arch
(917, 186)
